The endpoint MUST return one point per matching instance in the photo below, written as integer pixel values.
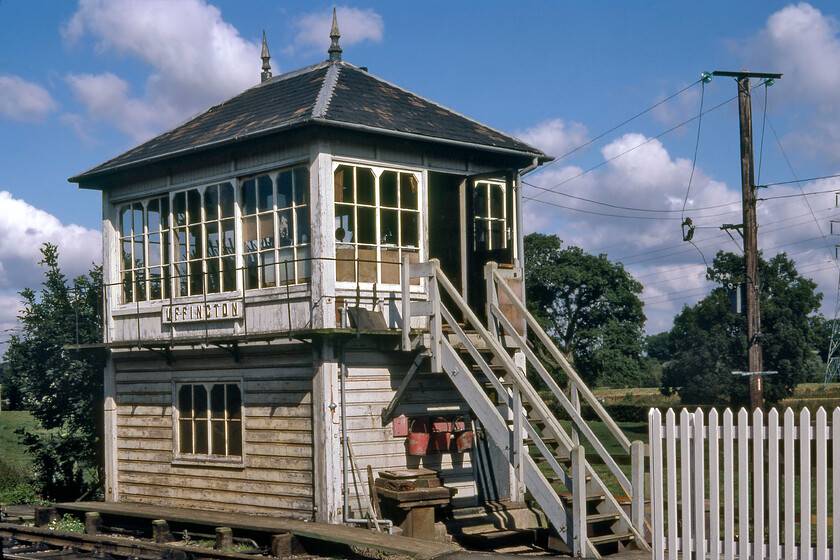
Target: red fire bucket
(464, 441)
(441, 434)
(418, 436)
(463, 436)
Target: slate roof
(329, 93)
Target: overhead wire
(799, 184)
(616, 127)
(619, 206)
(636, 147)
(696, 148)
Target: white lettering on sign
(196, 312)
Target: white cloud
(355, 26)
(196, 59)
(637, 172)
(24, 101)
(23, 231)
(555, 137)
(802, 43)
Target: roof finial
(335, 49)
(266, 56)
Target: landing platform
(352, 536)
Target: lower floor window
(210, 419)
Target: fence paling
(764, 463)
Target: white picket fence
(732, 489)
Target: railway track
(34, 543)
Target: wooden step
(611, 538)
(493, 538)
(602, 518)
(593, 497)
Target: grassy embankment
(15, 465)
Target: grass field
(11, 448)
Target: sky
(611, 89)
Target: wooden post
(160, 531)
(754, 353)
(44, 515)
(405, 281)
(579, 502)
(224, 538)
(637, 476)
(93, 523)
(750, 227)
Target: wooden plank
(773, 480)
(835, 480)
(820, 465)
(150, 432)
(287, 424)
(758, 482)
(111, 420)
(805, 480)
(145, 444)
(328, 533)
(728, 486)
(699, 498)
(790, 510)
(656, 484)
(128, 420)
(671, 446)
(227, 484)
(687, 533)
(282, 476)
(279, 507)
(230, 501)
(743, 485)
(264, 436)
(714, 485)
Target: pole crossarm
(745, 74)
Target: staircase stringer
(497, 428)
(504, 327)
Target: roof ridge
(444, 107)
(325, 95)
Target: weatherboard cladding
(327, 93)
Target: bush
(68, 524)
(15, 487)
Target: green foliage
(61, 388)
(708, 341)
(15, 487)
(658, 346)
(590, 307)
(68, 523)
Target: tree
(590, 307)
(61, 388)
(709, 341)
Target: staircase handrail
(438, 313)
(555, 352)
(574, 414)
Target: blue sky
(83, 81)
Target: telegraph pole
(750, 231)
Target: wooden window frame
(367, 255)
(233, 426)
(267, 267)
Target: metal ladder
(479, 360)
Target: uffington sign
(200, 312)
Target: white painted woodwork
(112, 489)
(753, 453)
(275, 474)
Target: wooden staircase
(486, 362)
